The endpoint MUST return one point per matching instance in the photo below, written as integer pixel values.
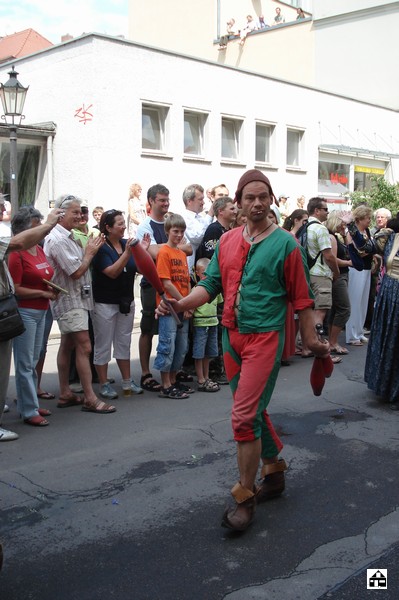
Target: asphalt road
(128, 506)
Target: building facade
(105, 112)
(346, 47)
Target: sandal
(174, 393)
(99, 407)
(184, 377)
(70, 401)
(46, 396)
(356, 343)
(36, 421)
(208, 386)
(44, 412)
(339, 350)
(183, 388)
(148, 383)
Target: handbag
(357, 261)
(11, 323)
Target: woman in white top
(136, 209)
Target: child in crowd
(97, 212)
(205, 345)
(173, 341)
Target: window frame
(300, 154)
(271, 142)
(162, 111)
(202, 133)
(237, 138)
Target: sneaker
(363, 339)
(6, 408)
(222, 379)
(133, 389)
(7, 436)
(108, 392)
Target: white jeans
(358, 291)
(111, 328)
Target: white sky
(54, 18)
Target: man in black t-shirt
(225, 212)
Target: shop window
(28, 157)
(333, 178)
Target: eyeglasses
(323, 208)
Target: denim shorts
(172, 345)
(205, 342)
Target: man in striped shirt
(71, 263)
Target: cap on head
(283, 196)
(248, 177)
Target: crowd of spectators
(252, 24)
(96, 272)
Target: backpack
(302, 237)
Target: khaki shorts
(322, 290)
(74, 320)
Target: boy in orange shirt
(173, 341)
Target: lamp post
(13, 95)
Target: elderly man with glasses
(71, 263)
(325, 268)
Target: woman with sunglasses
(113, 275)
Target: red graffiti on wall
(84, 114)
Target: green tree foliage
(382, 194)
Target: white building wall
(100, 159)
(356, 53)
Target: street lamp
(13, 96)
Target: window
(28, 158)
(263, 142)
(294, 147)
(153, 127)
(194, 133)
(333, 178)
(231, 132)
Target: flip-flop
(71, 401)
(339, 350)
(356, 343)
(46, 396)
(99, 407)
(336, 359)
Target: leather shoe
(272, 483)
(239, 517)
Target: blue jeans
(172, 345)
(26, 354)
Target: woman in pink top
(28, 268)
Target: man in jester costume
(258, 268)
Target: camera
(85, 291)
(124, 306)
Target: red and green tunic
(257, 281)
